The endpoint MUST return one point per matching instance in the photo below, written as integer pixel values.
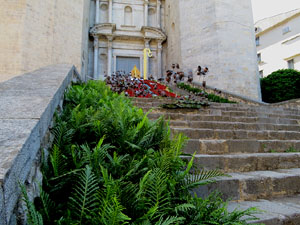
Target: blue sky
(267, 8)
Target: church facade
(215, 34)
(121, 31)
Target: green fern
(170, 220)
(33, 216)
(57, 161)
(201, 177)
(83, 200)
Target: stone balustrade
(27, 105)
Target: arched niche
(151, 17)
(104, 13)
(128, 20)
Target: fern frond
(62, 134)
(184, 208)
(33, 216)
(83, 200)
(57, 161)
(47, 203)
(201, 177)
(170, 220)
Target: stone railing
(27, 105)
(230, 96)
(292, 104)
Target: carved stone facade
(121, 30)
(219, 35)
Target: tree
(280, 86)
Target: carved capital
(147, 42)
(159, 45)
(110, 38)
(96, 41)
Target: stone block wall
(27, 105)
(37, 33)
(218, 34)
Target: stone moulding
(27, 105)
(109, 30)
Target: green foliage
(185, 104)
(199, 92)
(291, 150)
(111, 165)
(33, 216)
(280, 86)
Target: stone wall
(27, 105)
(36, 33)
(217, 34)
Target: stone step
(205, 134)
(217, 147)
(233, 125)
(247, 162)
(199, 117)
(278, 211)
(250, 186)
(262, 109)
(209, 112)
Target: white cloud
(267, 8)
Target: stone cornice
(103, 29)
(109, 30)
(154, 33)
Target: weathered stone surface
(249, 142)
(27, 106)
(255, 185)
(248, 162)
(279, 211)
(37, 33)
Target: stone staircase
(255, 145)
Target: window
(259, 57)
(257, 41)
(128, 15)
(261, 73)
(286, 30)
(291, 64)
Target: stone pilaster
(109, 55)
(147, 45)
(97, 11)
(96, 57)
(146, 3)
(110, 10)
(158, 13)
(159, 58)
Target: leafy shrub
(280, 86)
(199, 92)
(111, 165)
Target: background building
(278, 42)
(103, 36)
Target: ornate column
(147, 45)
(159, 51)
(146, 13)
(158, 12)
(109, 55)
(96, 58)
(110, 10)
(97, 11)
